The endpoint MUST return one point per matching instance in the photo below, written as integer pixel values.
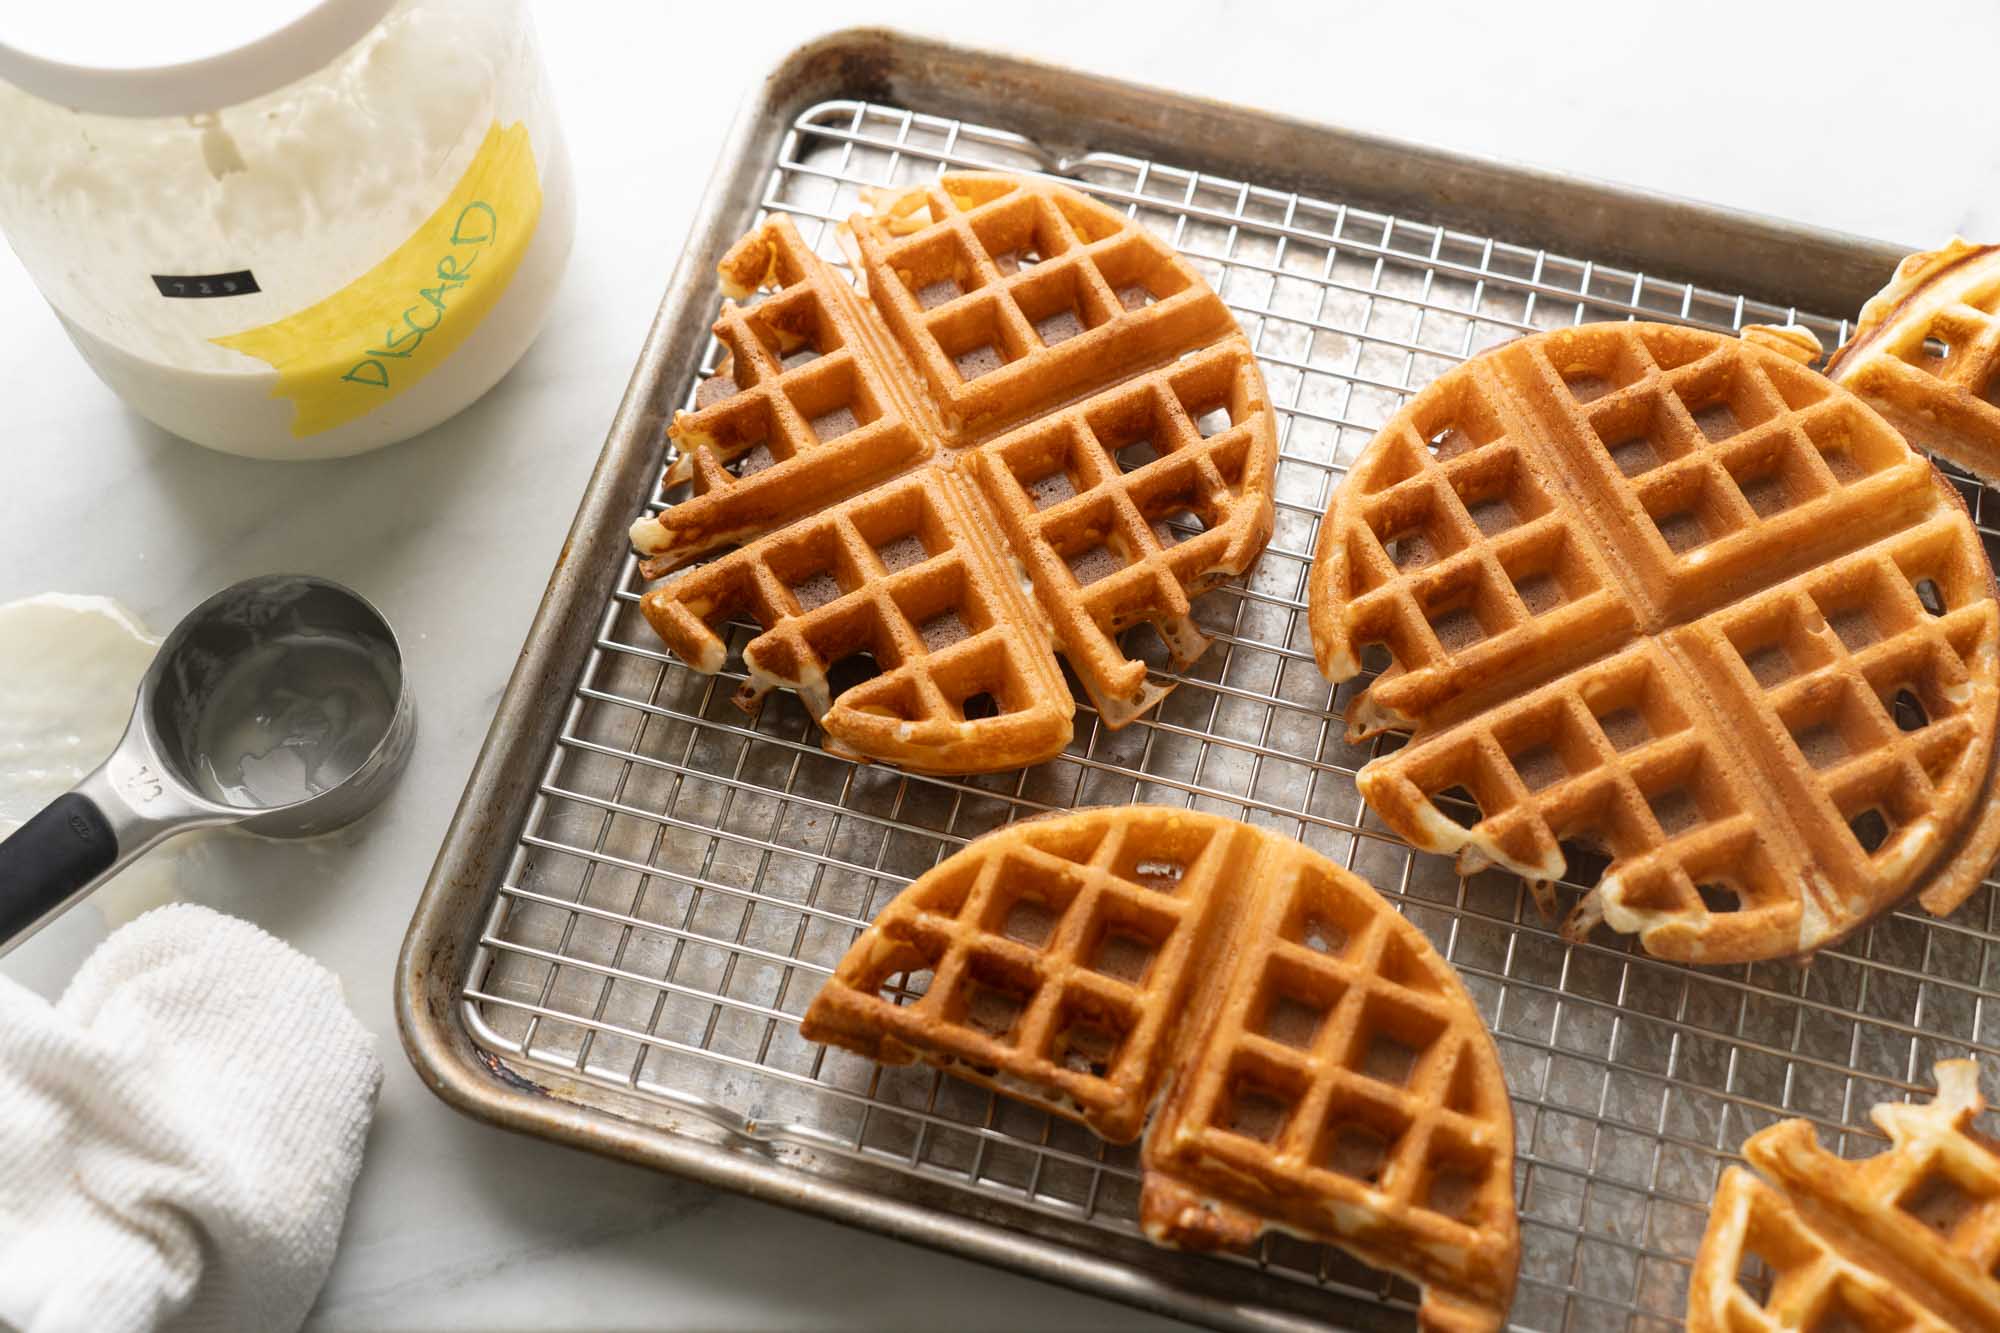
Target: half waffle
(1669, 598)
(1926, 354)
(1034, 429)
(1906, 1240)
(1324, 1072)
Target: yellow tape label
(375, 338)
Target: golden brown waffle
(1036, 429)
(1673, 599)
(1926, 354)
(1325, 1073)
(1906, 1240)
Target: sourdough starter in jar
(286, 228)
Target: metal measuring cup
(278, 704)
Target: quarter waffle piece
(1906, 1240)
(1668, 598)
(1034, 428)
(1926, 354)
(1323, 1071)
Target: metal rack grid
(687, 875)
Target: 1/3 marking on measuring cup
(197, 285)
(142, 784)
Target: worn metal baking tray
(642, 888)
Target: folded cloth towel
(179, 1134)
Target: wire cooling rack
(688, 876)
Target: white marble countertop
(456, 1225)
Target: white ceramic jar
(286, 228)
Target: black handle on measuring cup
(48, 859)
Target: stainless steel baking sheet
(643, 888)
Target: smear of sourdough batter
(69, 669)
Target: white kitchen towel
(178, 1135)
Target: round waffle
(1035, 428)
(1926, 354)
(1906, 1240)
(1324, 1072)
(1673, 599)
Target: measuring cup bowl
(205, 704)
(210, 649)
